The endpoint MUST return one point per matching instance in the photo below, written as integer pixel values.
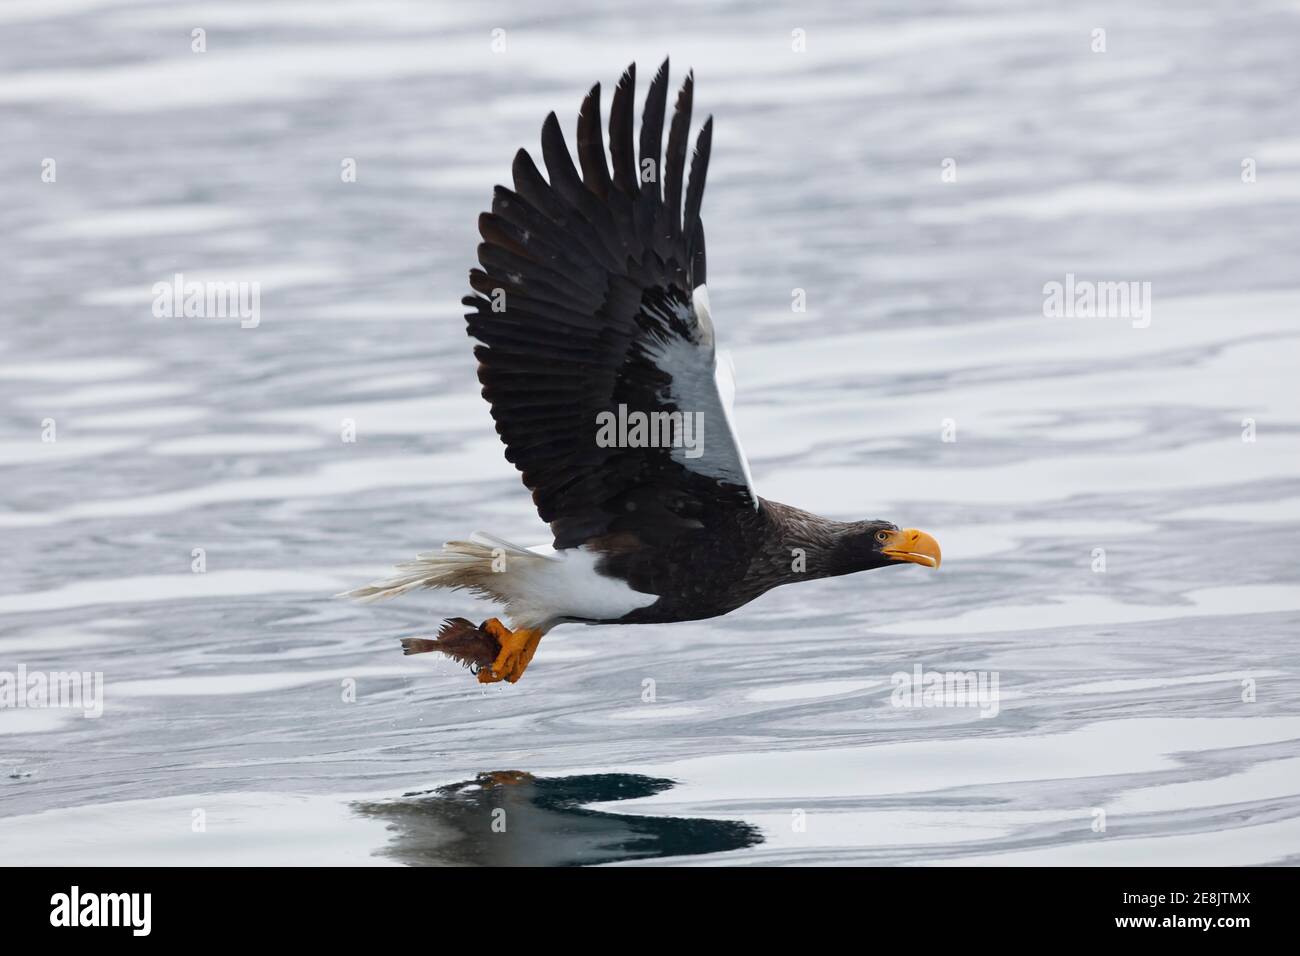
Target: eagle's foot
(517, 650)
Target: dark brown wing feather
(585, 286)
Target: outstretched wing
(591, 307)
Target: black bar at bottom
(331, 905)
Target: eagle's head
(879, 544)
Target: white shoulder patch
(724, 373)
(700, 303)
(701, 386)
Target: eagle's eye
(882, 536)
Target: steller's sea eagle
(597, 354)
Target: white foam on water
(975, 542)
(1280, 511)
(1101, 749)
(810, 690)
(221, 685)
(1225, 461)
(148, 588)
(1119, 199)
(1126, 685)
(142, 418)
(18, 11)
(286, 72)
(45, 641)
(240, 829)
(236, 444)
(96, 396)
(652, 714)
(137, 221)
(34, 451)
(74, 370)
(414, 416)
(1259, 844)
(1268, 780)
(26, 720)
(478, 461)
(1095, 610)
(270, 278)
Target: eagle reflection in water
(511, 818)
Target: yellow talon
(517, 650)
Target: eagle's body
(591, 303)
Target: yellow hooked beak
(911, 545)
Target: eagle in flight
(596, 352)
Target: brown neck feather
(819, 541)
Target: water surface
(1147, 712)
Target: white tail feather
(537, 587)
(460, 564)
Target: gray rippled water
(1119, 554)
